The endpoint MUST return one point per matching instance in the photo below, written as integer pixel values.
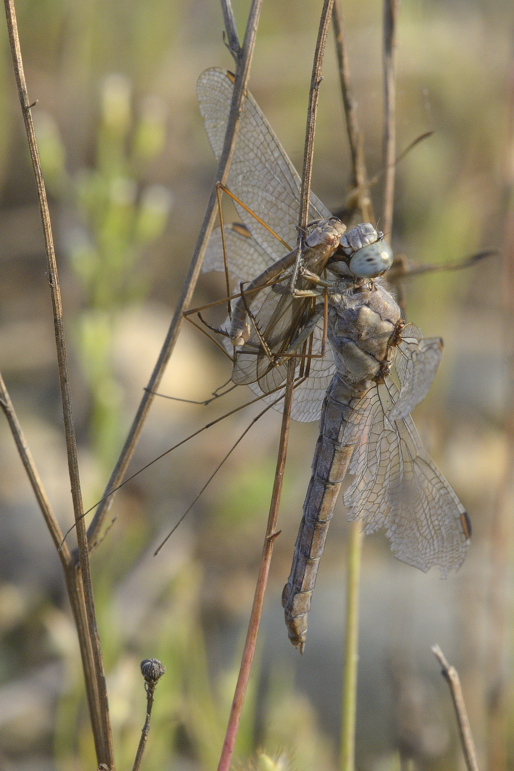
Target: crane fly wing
(261, 174)
(245, 257)
(263, 177)
(416, 362)
(252, 364)
(397, 486)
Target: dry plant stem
(308, 152)
(451, 676)
(150, 690)
(98, 691)
(390, 14)
(316, 78)
(231, 30)
(243, 63)
(355, 138)
(251, 638)
(262, 580)
(351, 655)
(73, 578)
(499, 705)
(144, 734)
(32, 473)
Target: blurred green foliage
(119, 218)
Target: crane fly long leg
(224, 245)
(219, 185)
(298, 382)
(218, 467)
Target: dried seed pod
(152, 670)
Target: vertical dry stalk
(312, 110)
(73, 578)
(271, 534)
(355, 138)
(351, 650)
(451, 676)
(262, 581)
(499, 604)
(360, 182)
(243, 58)
(79, 585)
(389, 57)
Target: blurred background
(129, 170)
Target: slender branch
(152, 670)
(389, 56)
(312, 111)
(240, 84)
(32, 473)
(359, 174)
(103, 741)
(310, 131)
(73, 578)
(262, 580)
(231, 30)
(271, 534)
(351, 654)
(451, 676)
(499, 604)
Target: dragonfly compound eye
(371, 260)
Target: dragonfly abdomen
(331, 459)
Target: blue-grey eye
(372, 260)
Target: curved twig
(240, 84)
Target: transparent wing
(398, 487)
(310, 391)
(416, 362)
(245, 257)
(261, 174)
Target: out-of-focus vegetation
(129, 170)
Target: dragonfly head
(367, 254)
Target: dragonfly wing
(261, 174)
(416, 362)
(397, 486)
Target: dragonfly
(362, 386)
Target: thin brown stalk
(451, 676)
(351, 649)
(312, 111)
(359, 174)
(101, 723)
(262, 580)
(271, 534)
(499, 603)
(32, 473)
(152, 670)
(231, 30)
(240, 84)
(310, 131)
(73, 578)
(389, 57)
